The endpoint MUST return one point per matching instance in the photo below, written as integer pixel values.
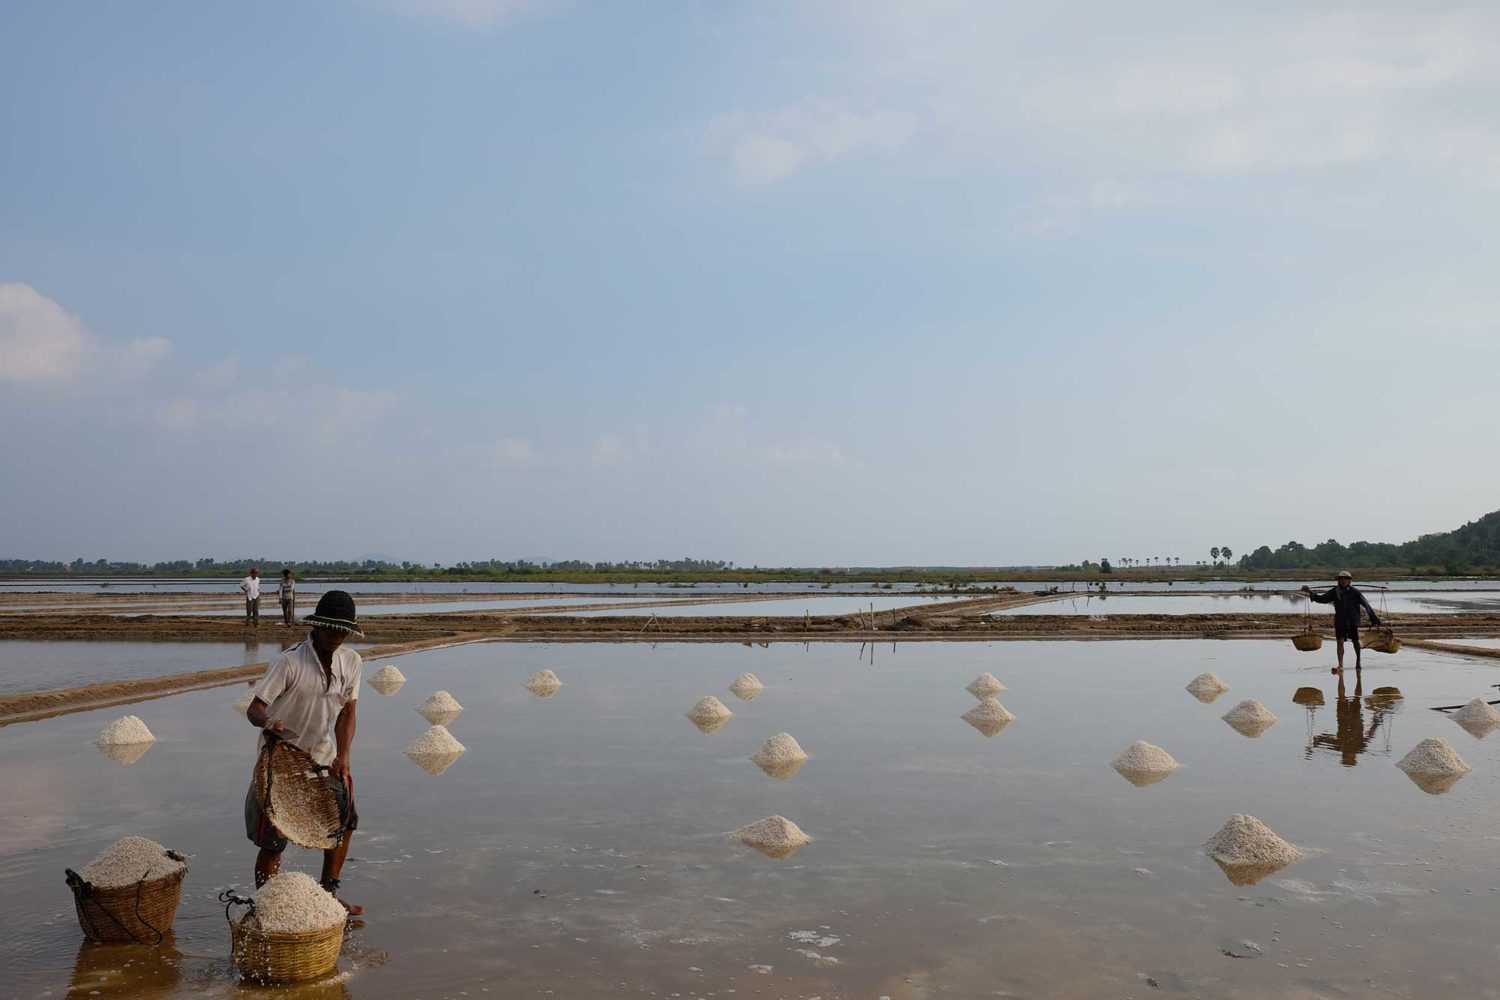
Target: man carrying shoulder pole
(1346, 600)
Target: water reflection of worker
(1352, 739)
(1346, 600)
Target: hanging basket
(1308, 642)
(278, 957)
(1380, 639)
(141, 913)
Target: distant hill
(1471, 548)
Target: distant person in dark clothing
(1346, 600)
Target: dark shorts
(1343, 632)
(263, 833)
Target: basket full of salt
(129, 892)
(290, 931)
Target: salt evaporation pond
(786, 607)
(43, 666)
(1427, 603)
(578, 846)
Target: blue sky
(820, 282)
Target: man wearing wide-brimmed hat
(1346, 600)
(307, 698)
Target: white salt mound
(388, 674)
(780, 749)
(242, 704)
(709, 709)
(441, 708)
(1245, 840)
(1476, 713)
(126, 729)
(985, 686)
(989, 710)
(747, 686)
(775, 836)
(437, 741)
(543, 680)
(1144, 758)
(1433, 757)
(130, 860)
(294, 901)
(1250, 711)
(1205, 684)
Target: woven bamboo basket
(277, 957)
(1380, 639)
(140, 913)
(1307, 642)
(293, 790)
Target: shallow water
(576, 849)
(43, 666)
(1428, 603)
(787, 607)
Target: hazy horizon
(793, 284)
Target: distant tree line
(343, 567)
(1475, 546)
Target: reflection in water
(125, 753)
(435, 763)
(1352, 736)
(138, 971)
(1249, 874)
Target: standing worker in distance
(1346, 600)
(288, 593)
(307, 698)
(250, 587)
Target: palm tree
(1226, 554)
(1215, 553)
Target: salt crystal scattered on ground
(544, 683)
(126, 729)
(1434, 756)
(985, 686)
(709, 709)
(746, 687)
(294, 901)
(1144, 763)
(1247, 850)
(440, 709)
(1206, 687)
(130, 860)
(774, 836)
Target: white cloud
(1122, 95)
(774, 146)
(40, 341)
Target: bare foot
(352, 909)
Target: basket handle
(231, 898)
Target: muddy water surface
(576, 849)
